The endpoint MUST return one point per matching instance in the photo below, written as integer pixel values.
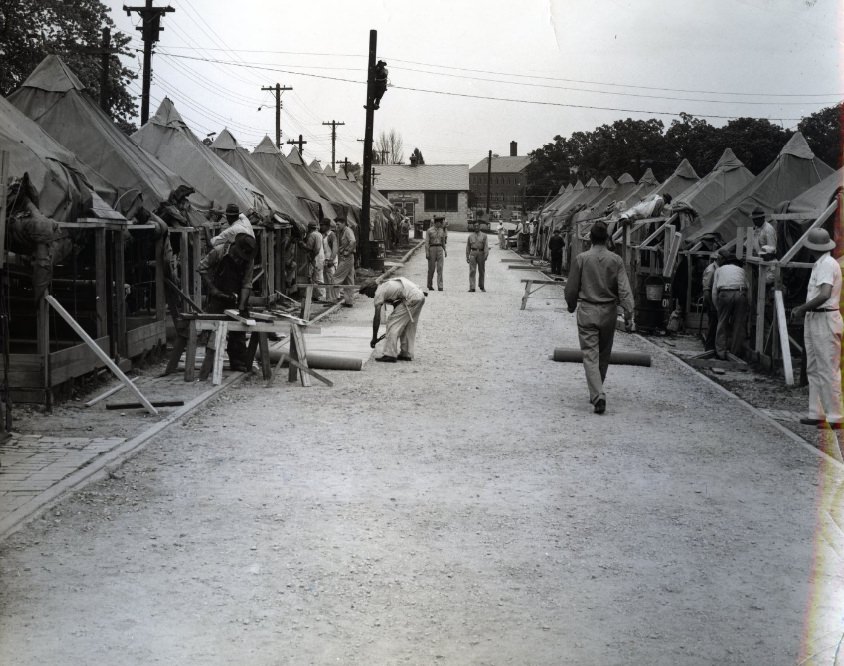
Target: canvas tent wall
(727, 177)
(55, 98)
(273, 162)
(647, 184)
(684, 176)
(793, 171)
(169, 138)
(281, 200)
(606, 204)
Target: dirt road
(466, 508)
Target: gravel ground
(466, 508)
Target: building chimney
(514, 149)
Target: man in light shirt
(822, 329)
(761, 242)
(345, 271)
(238, 224)
(316, 258)
(709, 302)
(330, 249)
(407, 300)
(729, 293)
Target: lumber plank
(788, 371)
(219, 343)
(234, 314)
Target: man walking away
(729, 293)
(407, 300)
(316, 258)
(330, 249)
(822, 329)
(555, 245)
(477, 250)
(709, 302)
(435, 251)
(597, 284)
(345, 272)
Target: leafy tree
(32, 29)
(755, 141)
(548, 168)
(696, 140)
(417, 156)
(823, 134)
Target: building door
(407, 208)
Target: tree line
(633, 146)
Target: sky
(469, 77)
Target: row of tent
(81, 164)
(713, 207)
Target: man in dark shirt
(555, 244)
(227, 274)
(597, 284)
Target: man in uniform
(729, 293)
(477, 250)
(761, 242)
(345, 272)
(316, 258)
(407, 300)
(227, 274)
(555, 245)
(436, 239)
(822, 330)
(329, 248)
(597, 284)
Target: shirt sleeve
(625, 295)
(573, 283)
(247, 275)
(208, 262)
(824, 273)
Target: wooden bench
(538, 283)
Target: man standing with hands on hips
(477, 250)
(822, 329)
(597, 284)
(436, 239)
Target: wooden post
(196, 256)
(43, 325)
(120, 293)
(760, 308)
(160, 295)
(4, 173)
(101, 253)
(788, 256)
(783, 336)
(99, 352)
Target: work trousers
(317, 277)
(732, 318)
(236, 341)
(822, 339)
(401, 328)
(477, 264)
(436, 259)
(501, 239)
(557, 263)
(596, 330)
(328, 271)
(345, 274)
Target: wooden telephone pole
(366, 253)
(278, 89)
(150, 31)
(105, 52)
(300, 142)
(333, 124)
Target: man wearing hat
(227, 275)
(597, 285)
(822, 329)
(761, 242)
(316, 257)
(729, 293)
(238, 224)
(477, 250)
(407, 300)
(436, 239)
(329, 247)
(345, 272)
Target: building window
(441, 201)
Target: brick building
(428, 189)
(507, 185)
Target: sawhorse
(530, 282)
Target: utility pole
(300, 143)
(333, 124)
(363, 241)
(150, 30)
(278, 89)
(345, 163)
(105, 52)
(488, 181)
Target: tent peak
(625, 178)
(267, 146)
(53, 75)
(225, 141)
(798, 147)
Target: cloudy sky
(468, 77)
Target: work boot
(386, 359)
(600, 406)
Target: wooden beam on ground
(783, 336)
(137, 405)
(99, 352)
(105, 395)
